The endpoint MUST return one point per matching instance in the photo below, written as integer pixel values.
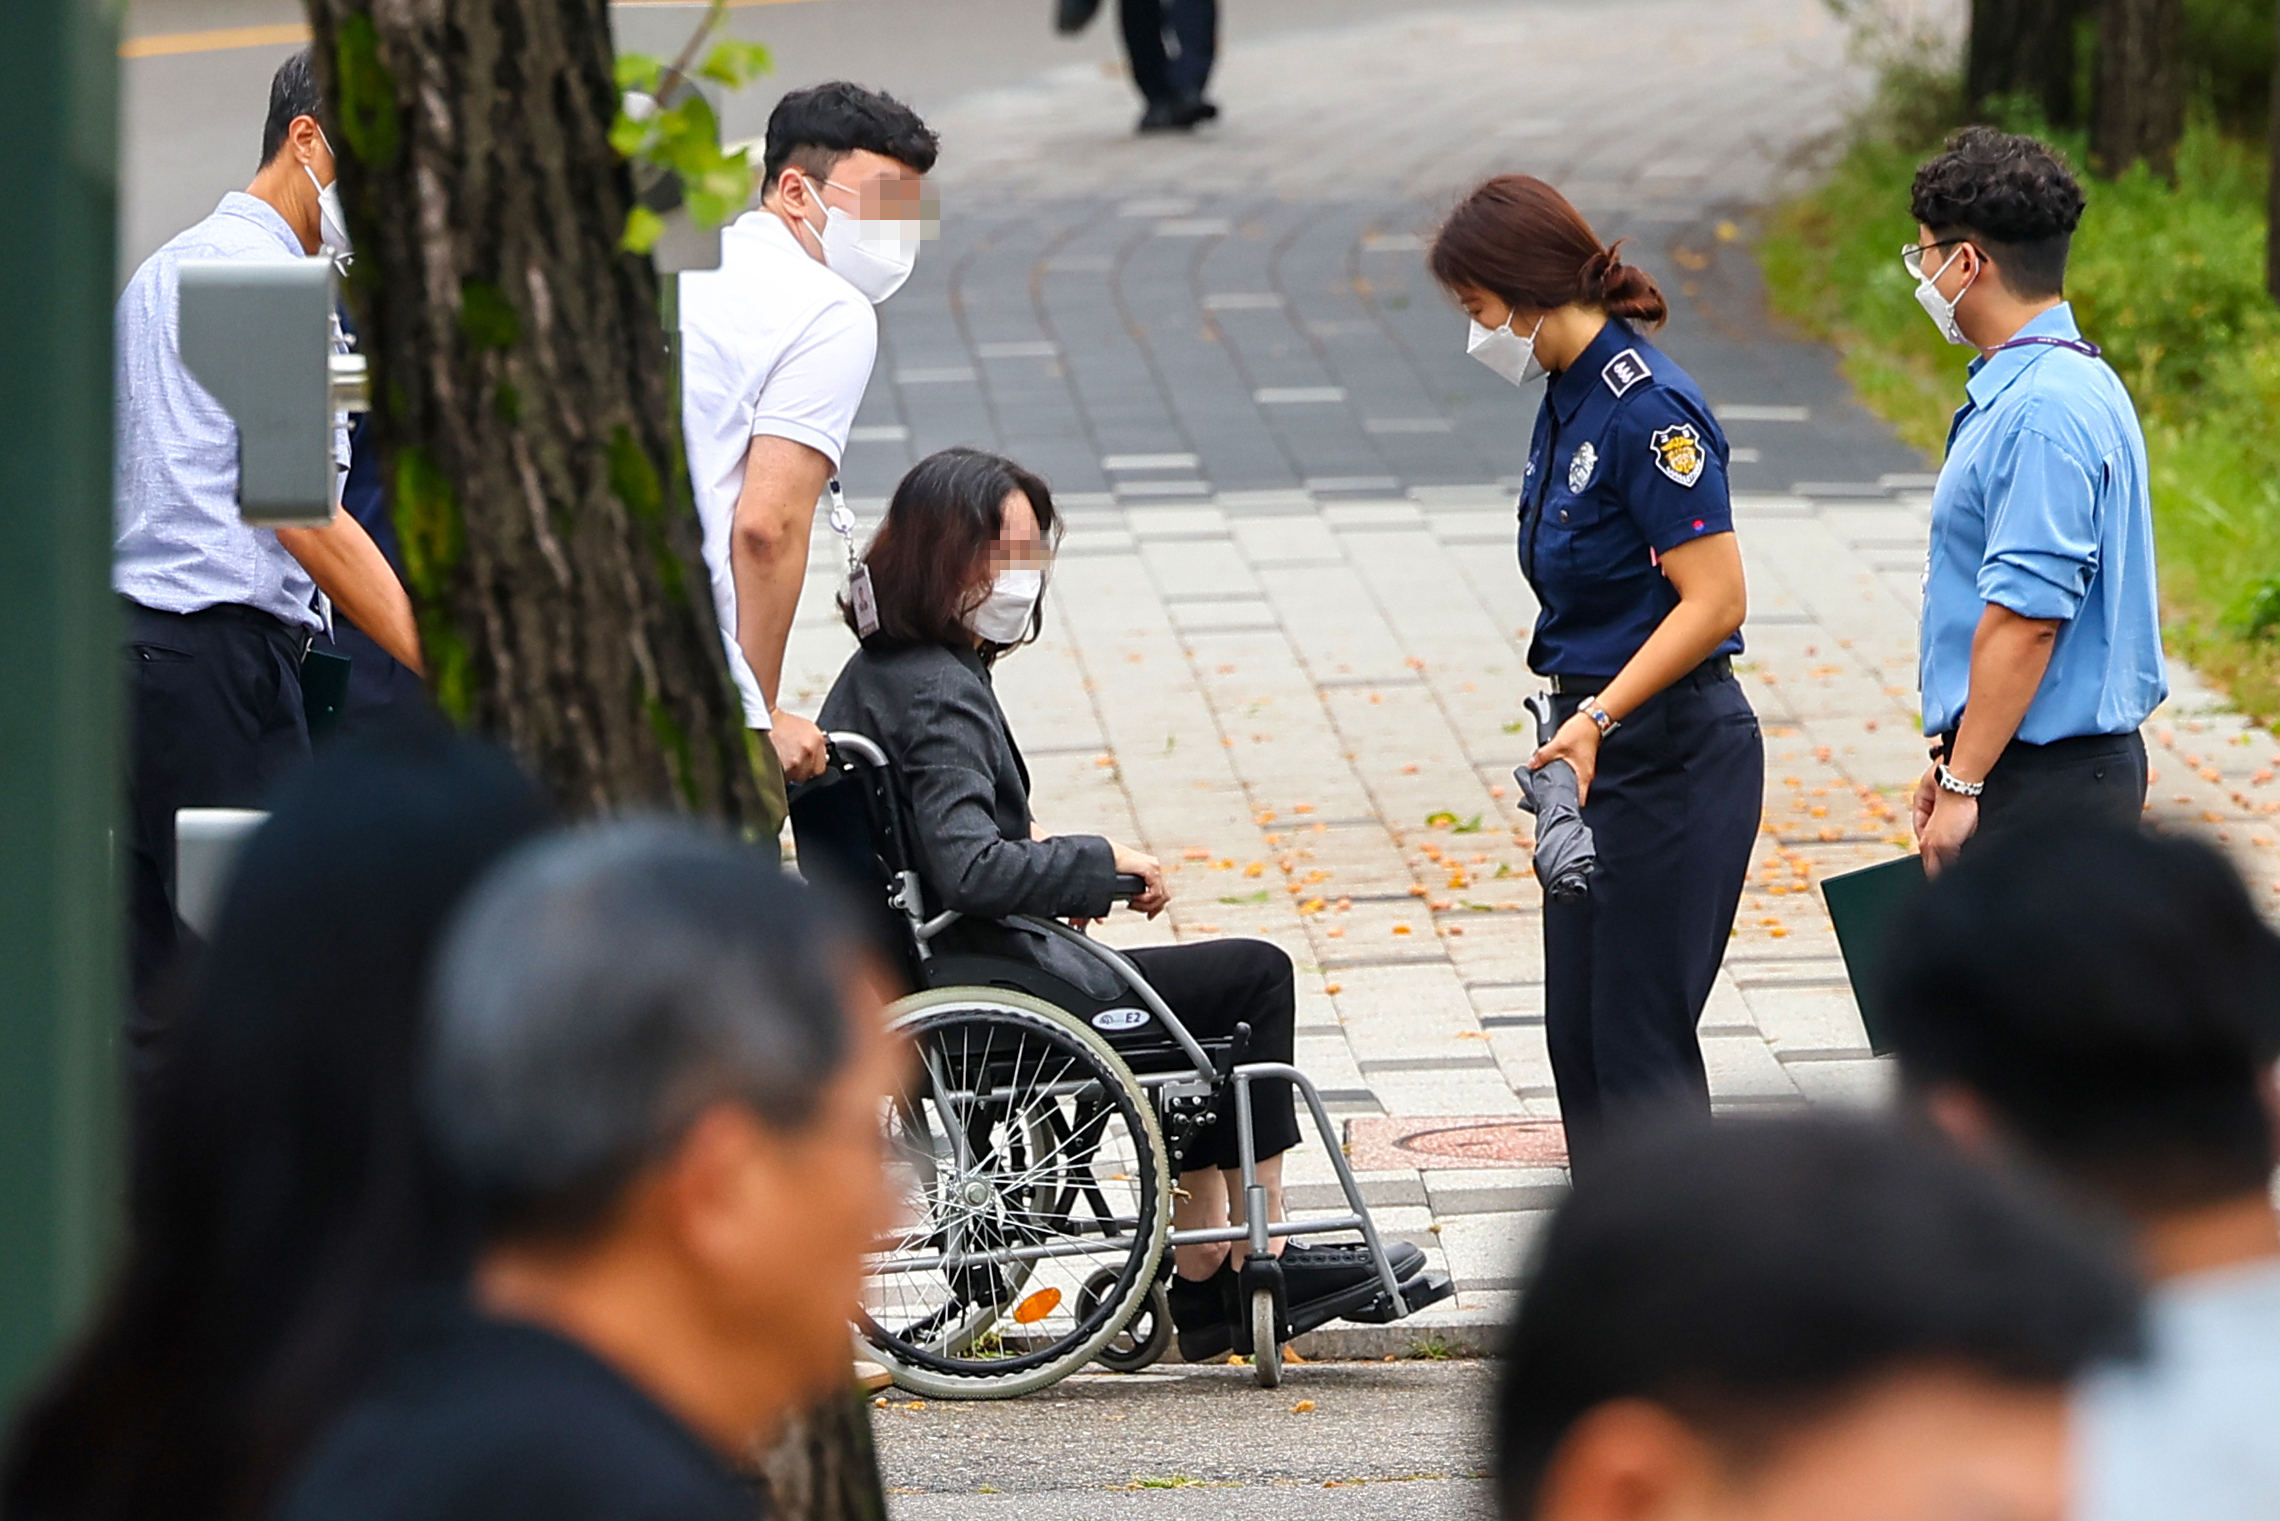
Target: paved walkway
(1285, 650)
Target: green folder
(1863, 905)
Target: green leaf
(735, 63)
(639, 71)
(1516, 726)
(1258, 897)
(1468, 826)
(643, 228)
(1441, 820)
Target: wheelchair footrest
(1416, 1294)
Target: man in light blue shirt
(2041, 644)
(219, 614)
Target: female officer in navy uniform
(1627, 539)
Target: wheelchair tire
(1266, 1352)
(1146, 1337)
(1032, 1165)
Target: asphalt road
(196, 76)
(1386, 1439)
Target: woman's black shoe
(1318, 1272)
(1200, 1315)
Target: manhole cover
(1380, 1142)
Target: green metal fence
(60, 961)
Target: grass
(2168, 280)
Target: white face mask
(1938, 307)
(874, 257)
(1004, 615)
(332, 225)
(1506, 352)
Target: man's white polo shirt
(772, 343)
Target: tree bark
(2023, 47)
(2140, 110)
(522, 400)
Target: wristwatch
(1950, 782)
(1591, 709)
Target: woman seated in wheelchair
(958, 570)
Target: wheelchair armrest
(1128, 886)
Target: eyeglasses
(1912, 255)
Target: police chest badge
(1579, 468)
(1678, 453)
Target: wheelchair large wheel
(1031, 1165)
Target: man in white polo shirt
(777, 346)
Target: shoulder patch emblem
(1678, 453)
(1579, 468)
(1624, 371)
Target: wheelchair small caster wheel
(1146, 1337)
(1266, 1352)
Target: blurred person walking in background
(1803, 1319)
(1626, 537)
(2106, 1004)
(281, 1194)
(658, 1066)
(2041, 642)
(220, 614)
(777, 346)
(1172, 45)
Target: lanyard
(2080, 346)
(860, 595)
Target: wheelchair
(1035, 1149)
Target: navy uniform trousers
(1674, 809)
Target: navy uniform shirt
(1627, 464)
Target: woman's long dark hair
(929, 561)
(1525, 244)
(281, 1196)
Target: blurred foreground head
(658, 1067)
(282, 1194)
(1817, 1319)
(2106, 1001)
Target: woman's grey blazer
(934, 712)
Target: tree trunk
(824, 1466)
(2023, 47)
(2140, 111)
(521, 399)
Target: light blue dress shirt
(2192, 1434)
(2042, 507)
(179, 543)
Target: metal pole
(61, 946)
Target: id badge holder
(860, 596)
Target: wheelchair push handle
(1128, 885)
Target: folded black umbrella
(1566, 855)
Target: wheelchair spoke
(1028, 1160)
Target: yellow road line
(224, 39)
(221, 39)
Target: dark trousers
(214, 719)
(1674, 810)
(1193, 27)
(2097, 776)
(1213, 985)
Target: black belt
(1716, 668)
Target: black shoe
(1206, 111)
(1075, 16)
(1200, 1315)
(1171, 116)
